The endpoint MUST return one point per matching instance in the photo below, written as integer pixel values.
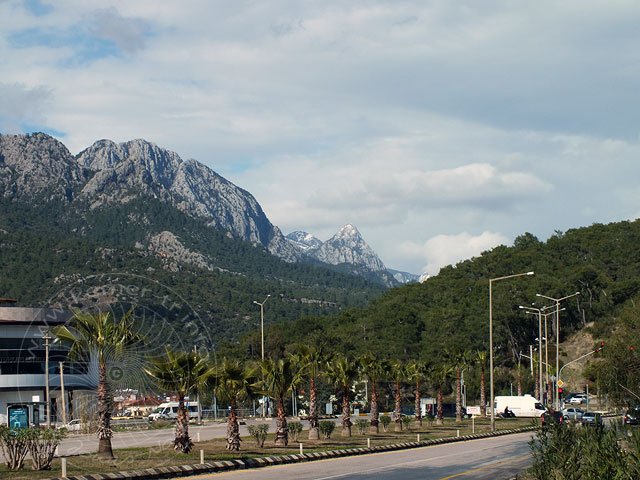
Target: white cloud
(443, 250)
(409, 119)
(21, 105)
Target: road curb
(241, 464)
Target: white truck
(524, 406)
(169, 411)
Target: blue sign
(18, 416)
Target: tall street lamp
(262, 322)
(557, 311)
(539, 312)
(264, 403)
(491, 399)
(46, 337)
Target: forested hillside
(44, 248)
(449, 312)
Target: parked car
(591, 419)
(573, 413)
(577, 399)
(552, 418)
(632, 416)
(75, 425)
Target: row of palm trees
(233, 381)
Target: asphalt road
(492, 458)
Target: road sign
(560, 383)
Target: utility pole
(46, 339)
(64, 400)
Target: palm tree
(183, 373)
(416, 372)
(459, 361)
(519, 374)
(310, 359)
(442, 373)
(481, 360)
(102, 337)
(233, 381)
(374, 370)
(279, 377)
(398, 373)
(342, 371)
(538, 389)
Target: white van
(169, 411)
(525, 406)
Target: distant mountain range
(107, 174)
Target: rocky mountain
(34, 166)
(108, 174)
(304, 241)
(404, 277)
(87, 223)
(346, 249)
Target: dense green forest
(449, 312)
(45, 250)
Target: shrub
(407, 422)
(295, 429)
(259, 433)
(42, 446)
(592, 453)
(362, 425)
(14, 445)
(385, 420)
(326, 428)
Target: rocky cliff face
(346, 248)
(304, 241)
(35, 166)
(108, 173)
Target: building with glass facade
(26, 343)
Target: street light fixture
(46, 337)
(264, 403)
(262, 323)
(557, 312)
(491, 399)
(539, 339)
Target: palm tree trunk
(519, 383)
(314, 433)
(346, 413)
(104, 413)
(458, 395)
(282, 435)
(397, 411)
(483, 394)
(375, 421)
(182, 442)
(417, 405)
(439, 407)
(537, 388)
(233, 430)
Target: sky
(440, 129)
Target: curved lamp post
(262, 342)
(491, 396)
(557, 311)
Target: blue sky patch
(86, 48)
(37, 7)
(33, 128)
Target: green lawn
(214, 450)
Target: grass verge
(214, 450)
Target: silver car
(573, 413)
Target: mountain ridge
(109, 173)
